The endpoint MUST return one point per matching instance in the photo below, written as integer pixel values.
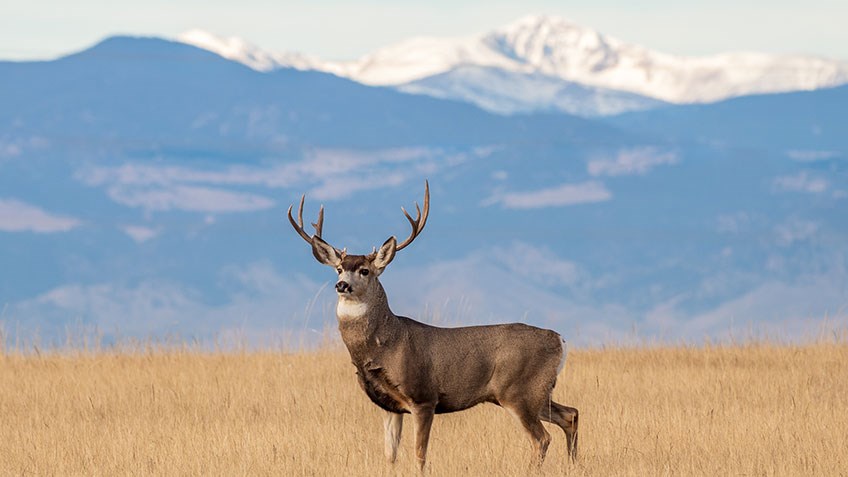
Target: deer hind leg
(566, 418)
(423, 416)
(393, 425)
(535, 430)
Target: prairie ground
(755, 409)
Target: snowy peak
(559, 48)
(419, 58)
(237, 49)
(541, 40)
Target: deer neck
(366, 324)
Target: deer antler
(420, 218)
(298, 226)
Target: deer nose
(343, 287)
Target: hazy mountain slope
(144, 184)
(811, 121)
(173, 95)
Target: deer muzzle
(343, 287)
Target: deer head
(358, 273)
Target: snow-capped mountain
(238, 49)
(144, 184)
(507, 92)
(557, 48)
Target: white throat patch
(351, 309)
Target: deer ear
(325, 253)
(385, 255)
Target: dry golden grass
(744, 410)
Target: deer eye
(363, 272)
(339, 270)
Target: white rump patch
(562, 359)
(351, 309)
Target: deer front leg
(393, 425)
(423, 416)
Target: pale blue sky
(332, 29)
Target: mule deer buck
(408, 367)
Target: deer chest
(380, 389)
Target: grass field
(757, 409)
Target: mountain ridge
(144, 184)
(201, 98)
(557, 47)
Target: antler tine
(413, 223)
(420, 218)
(319, 226)
(426, 212)
(298, 225)
(300, 211)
